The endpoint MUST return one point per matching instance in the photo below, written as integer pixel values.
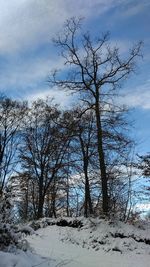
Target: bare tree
(96, 70)
(43, 148)
(85, 149)
(11, 116)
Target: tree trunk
(101, 159)
(88, 203)
(40, 204)
(67, 200)
(54, 207)
(26, 205)
(54, 198)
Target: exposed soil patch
(74, 223)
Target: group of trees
(76, 160)
(54, 164)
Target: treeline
(76, 161)
(49, 160)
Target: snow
(19, 259)
(93, 245)
(48, 244)
(26, 229)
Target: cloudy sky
(27, 54)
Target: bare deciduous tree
(95, 70)
(11, 115)
(43, 148)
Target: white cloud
(60, 97)
(135, 8)
(138, 97)
(29, 72)
(29, 80)
(26, 23)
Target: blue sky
(27, 55)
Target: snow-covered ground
(97, 244)
(20, 258)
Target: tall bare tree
(95, 70)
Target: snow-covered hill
(98, 243)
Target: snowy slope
(48, 244)
(20, 259)
(96, 244)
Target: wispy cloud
(26, 23)
(138, 96)
(28, 73)
(62, 98)
(135, 7)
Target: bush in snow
(5, 219)
(5, 207)
(9, 235)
